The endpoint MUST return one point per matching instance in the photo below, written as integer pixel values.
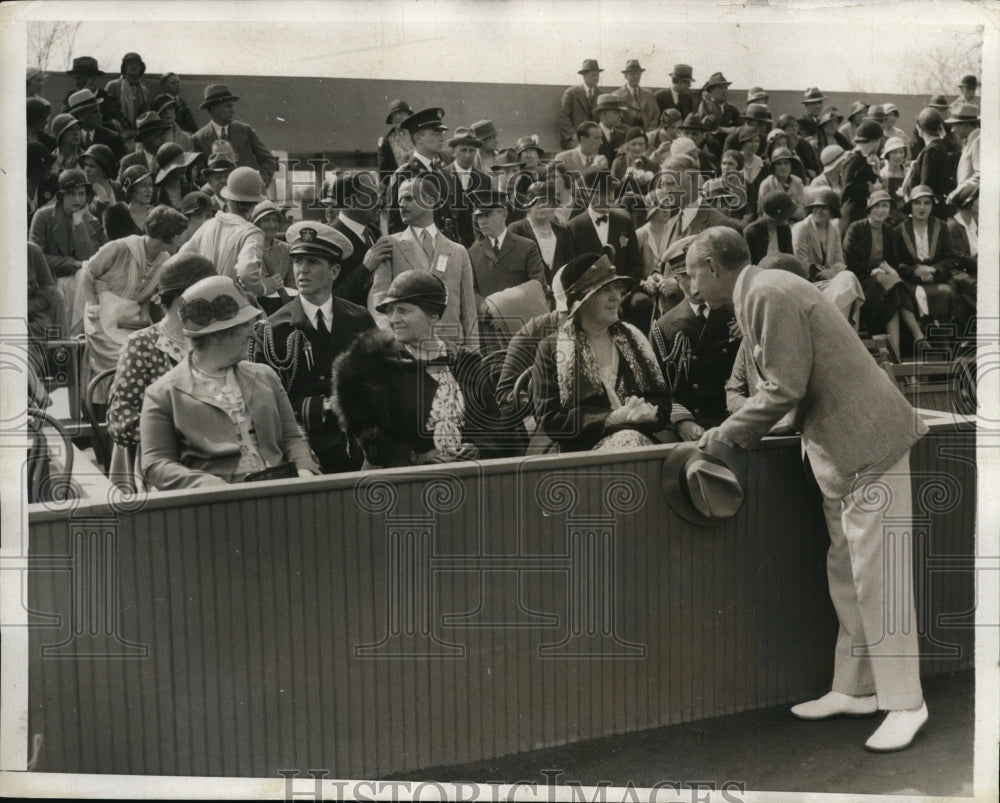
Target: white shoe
(836, 704)
(898, 730)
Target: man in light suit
(422, 246)
(221, 105)
(578, 103)
(857, 430)
(641, 108)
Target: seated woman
(267, 217)
(101, 166)
(147, 355)
(172, 182)
(216, 418)
(407, 397)
(596, 381)
(963, 229)
(753, 165)
(117, 283)
(782, 180)
(632, 160)
(816, 244)
(771, 233)
(870, 253)
(778, 138)
(66, 131)
(124, 219)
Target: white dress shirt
(601, 228)
(310, 310)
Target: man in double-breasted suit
(221, 105)
(422, 246)
(857, 430)
(641, 109)
(577, 104)
(301, 340)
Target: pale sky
(837, 45)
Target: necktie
(427, 244)
(496, 250)
(86, 140)
(225, 132)
(601, 219)
(785, 240)
(321, 323)
(703, 310)
(369, 238)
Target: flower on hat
(202, 312)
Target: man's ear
(335, 270)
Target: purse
(282, 471)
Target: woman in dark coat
(870, 252)
(406, 397)
(860, 174)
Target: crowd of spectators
(459, 289)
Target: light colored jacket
(235, 246)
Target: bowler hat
(757, 95)
(938, 102)
(831, 155)
(170, 157)
(484, 129)
(682, 72)
(82, 99)
(185, 269)
(61, 123)
(397, 106)
(84, 65)
(893, 144)
(878, 197)
(963, 113)
(464, 136)
(213, 305)
(425, 119)
(318, 239)
(869, 131)
(416, 287)
(216, 93)
(828, 114)
(73, 178)
(813, 95)
(244, 185)
(104, 156)
(133, 175)
(759, 112)
(589, 65)
(529, 144)
(609, 101)
(703, 486)
(779, 206)
(194, 201)
(822, 196)
(585, 275)
(133, 57)
(632, 65)
(693, 123)
(149, 123)
(162, 101)
(856, 108)
(969, 81)
(717, 79)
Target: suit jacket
(564, 244)
(621, 235)
(354, 280)
(665, 100)
(757, 235)
(250, 151)
(935, 168)
(65, 245)
(574, 161)
(461, 205)
(609, 147)
(308, 387)
(443, 217)
(189, 441)
(696, 355)
(813, 248)
(848, 428)
(644, 113)
(574, 109)
(517, 262)
(450, 263)
(105, 136)
(942, 256)
(856, 176)
(704, 218)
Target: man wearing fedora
(641, 109)
(395, 147)
(500, 259)
(812, 102)
(422, 246)
(964, 122)
(486, 131)
(713, 101)
(967, 92)
(149, 134)
(85, 72)
(426, 130)
(129, 94)
(231, 242)
(857, 435)
(220, 103)
(577, 105)
(677, 96)
(170, 84)
(609, 110)
(463, 179)
(85, 106)
(301, 340)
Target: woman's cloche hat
(416, 287)
(214, 304)
(585, 275)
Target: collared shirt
(700, 310)
(602, 228)
(353, 225)
(431, 229)
(310, 310)
(608, 132)
(464, 176)
(221, 132)
(497, 242)
(423, 160)
(687, 215)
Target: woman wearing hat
(632, 160)
(555, 244)
(406, 397)
(172, 180)
(124, 219)
(147, 355)
(117, 283)
(68, 235)
(129, 93)
(396, 147)
(165, 105)
(860, 173)
(66, 131)
(216, 418)
(855, 115)
(933, 166)
(892, 175)
(267, 217)
(660, 138)
(753, 166)
(100, 165)
(870, 252)
(596, 381)
(771, 233)
(827, 130)
(781, 179)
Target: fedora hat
(878, 197)
(589, 65)
(170, 157)
(397, 106)
(216, 93)
(162, 101)
(84, 65)
(425, 119)
(831, 155)
(939, 102)
(416, 287)
(704, 487)
(82, 99)
(104, 156)
(869, 131)
(693, 123)
(609, 101)
(133, 57)
(149, 123)
(318, 239)
(464, 136)
(212, 305)
(963, 113)
(822, 196)
(682, 72)
(632, 65)
(484, 129)
(759, 112)
(62, 123)
(813, 95)
(529, 144)
(220, 163)
(585, 275)
(716, 79)
(757, 95)
(779, 206)
(244, 185)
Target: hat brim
(414, 298)
(222, 99)
(241, 199)
(576, 305)
(187, 159)
(872, 203)
(673, 483)
(454, 142)
(596, 69)
(820, 99)
(153, 129)
(248, 313)
(954, 120)
(388, 117)
(84, 72)
(90, 104)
